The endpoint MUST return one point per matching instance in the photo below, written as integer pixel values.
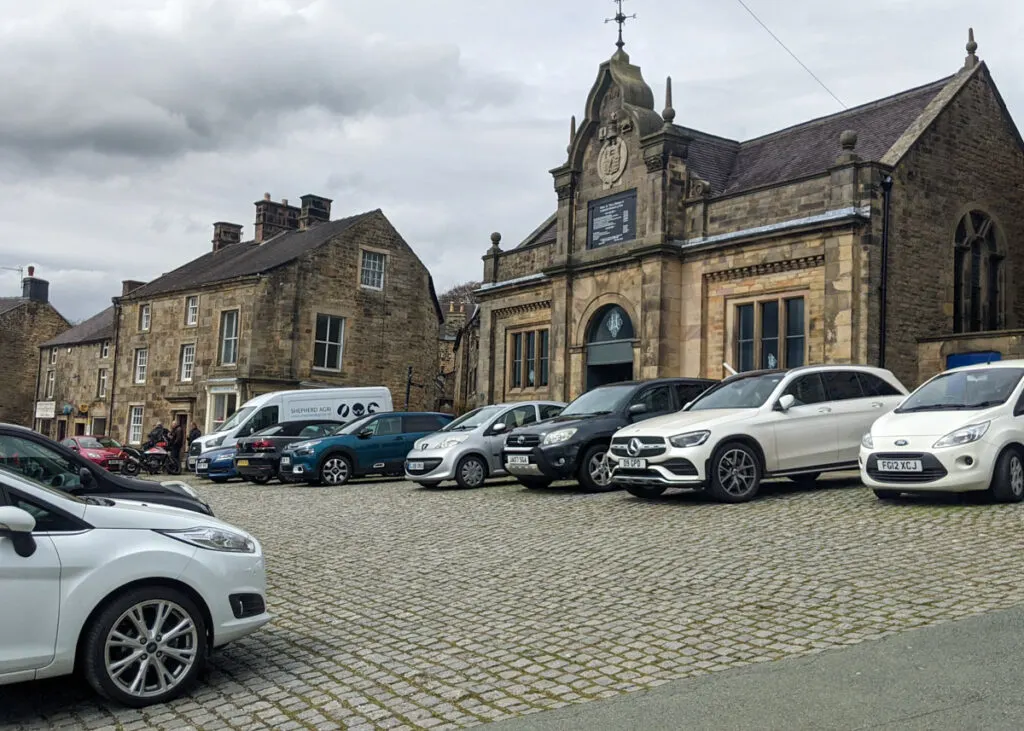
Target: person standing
(175, 441)
(193, 433)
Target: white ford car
(132, 595)
(961, 431)
(797, 424)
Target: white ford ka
(961, 431)
(131, 595)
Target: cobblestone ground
(398, 607)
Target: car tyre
(735, 473)
(1008, 477)
(594, 473)
(428, 485)
(130, 468)
(261, 479)
(887, 494)
(806, 480)
(534, 483)
(647, 493)
(120, 667)
(471, 472)
(219, 480)
(335, 471)
(173, 468)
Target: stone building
(307, 303)
(25, 323)
(887, 234)
(454, 321)
(466, 354)
(74, 379)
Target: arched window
(977, 275)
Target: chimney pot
(284, 201)
(266, 196)
(31, 271)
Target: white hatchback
(961, 431)
(797, 424)
(133, 595)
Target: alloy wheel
(599, 470)
(151, 648)
(737, 472)
(335, 471)
(1016, 476)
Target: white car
(961, 431)
(133, 595)
(797, 424)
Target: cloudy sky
(129, 126)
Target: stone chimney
(315, 209)
(130, 285)
(273, 218)
(33, 289)
(225, 234)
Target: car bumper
(432, 465)
(296, 469)
(234, 587)
(682, 468)
(554, 462)
(256, 466)
(956, 469)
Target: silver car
(468, 450)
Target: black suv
(43, 460)
(573, 444)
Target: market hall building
(673, 251)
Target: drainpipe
(884, 293)
(39, 381)
(115, 351)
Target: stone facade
(75, 379)
(269, 315)
(766, 253)
(466, 356)
(25, 323)
(454, 321)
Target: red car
(104, 451)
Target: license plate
(415, 466)
(243, 463)
(518, 459)
(114, 463)
(631, 463)
(203, 463)
(191, 462)
(899, 465)
(285, 461)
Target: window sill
(529, 389)
(372, 289)
(318, 369)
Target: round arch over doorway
(610, 336)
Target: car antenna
(732, 371)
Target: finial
(668, 114)
(572, 133)
(495, 241)
(621, 19)
(848, 140)
(972, 60)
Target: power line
(777, 40)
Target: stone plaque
(611, 220)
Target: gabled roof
(11, 303)
(247, 258)
(96, 329)
(543, 234)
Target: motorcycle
(153, 457)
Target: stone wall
(22, 330)
(932, 352)
(968, 158)
(522, 262)
(766, 206)
(76, 382)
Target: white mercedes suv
(797, 424)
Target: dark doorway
(62, 430)
(79, 428)
(609, 347)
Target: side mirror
(85, 476)
(637, 409)
(499, 427)
(365, 434)
(785, 402)
(18, 524)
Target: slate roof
(11, 303)
(247, 258)
(805, 149)
(97, 328)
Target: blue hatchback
(217, 464)
(374, 445)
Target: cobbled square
(398, 607)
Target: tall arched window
(977, 275)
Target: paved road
(399, 607)
(957, 675)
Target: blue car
(217, 464)
(374, 445)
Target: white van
(340, 404)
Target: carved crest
(612, 161)
(614, 324)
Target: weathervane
(621, 19)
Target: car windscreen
(109, 443)
(605, 400)
(236, 418)
(977, 388)
(748, 392)
(89, 443)
(473, 419)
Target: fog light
(561, 461)
(968, 461)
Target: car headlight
(557, 437)
(867, 442)
(690, 439)
(183, 486)
(213, 539)
(451, 442)
(963, 436)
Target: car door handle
(824, 410)
(876, 404)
